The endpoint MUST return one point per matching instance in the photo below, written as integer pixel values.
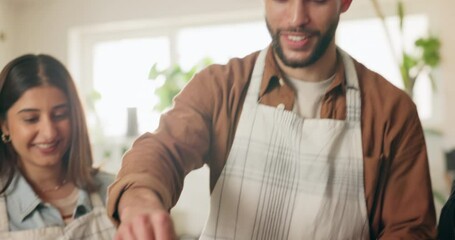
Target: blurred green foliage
(175, 78)
(422, 59)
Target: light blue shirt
(27, 211)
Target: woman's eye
(60, 116)
(31, 120)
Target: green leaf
(425, 55)
(95, 95)
(175, 79)
(154, 73)
(409, 62)
(430, 50)
(400, 7)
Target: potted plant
(424, 57)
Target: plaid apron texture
(292, 178)
(94, 225)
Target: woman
(49, 189)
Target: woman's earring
(6, 138)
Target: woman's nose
(48, 129)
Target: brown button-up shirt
(200, 129)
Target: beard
(317, 52)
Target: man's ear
(345, 5)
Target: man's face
(302, 30)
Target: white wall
(444, 20)
(6, 36)
(43, 25)
(442, 23)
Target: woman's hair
(27, 72)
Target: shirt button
(280, 106)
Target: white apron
(292, 178)
(94, 225)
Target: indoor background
(110, 47)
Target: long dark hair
(29, 71)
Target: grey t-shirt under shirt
(309, 96)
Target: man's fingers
(143, 228)
(124, 232)
(165, 229)
(157, 225)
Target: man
(302, 142)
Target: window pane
(365, 40)
(120, 75)
(220, 42)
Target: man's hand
(143, 217)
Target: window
(365, 40)
(120, 71)
(220, 42)
(120, 67)
(119, 62)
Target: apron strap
(353, 99)
(252, 96)
(4, 224)
(96, 200)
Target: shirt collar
(340, 77)
(83, 204)
(22, 199)
(272, 74)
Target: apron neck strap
(353, 99)
(96, 200)
(252, 96)
(4, 223)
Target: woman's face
(39, 125)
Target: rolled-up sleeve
(159, 161)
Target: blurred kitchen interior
(110, 46)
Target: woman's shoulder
(104, 177)
(103, 180)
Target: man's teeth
(296, 38)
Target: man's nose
(299, 14)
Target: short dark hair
(29, 71)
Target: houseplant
(424, 57)
(175, 78)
